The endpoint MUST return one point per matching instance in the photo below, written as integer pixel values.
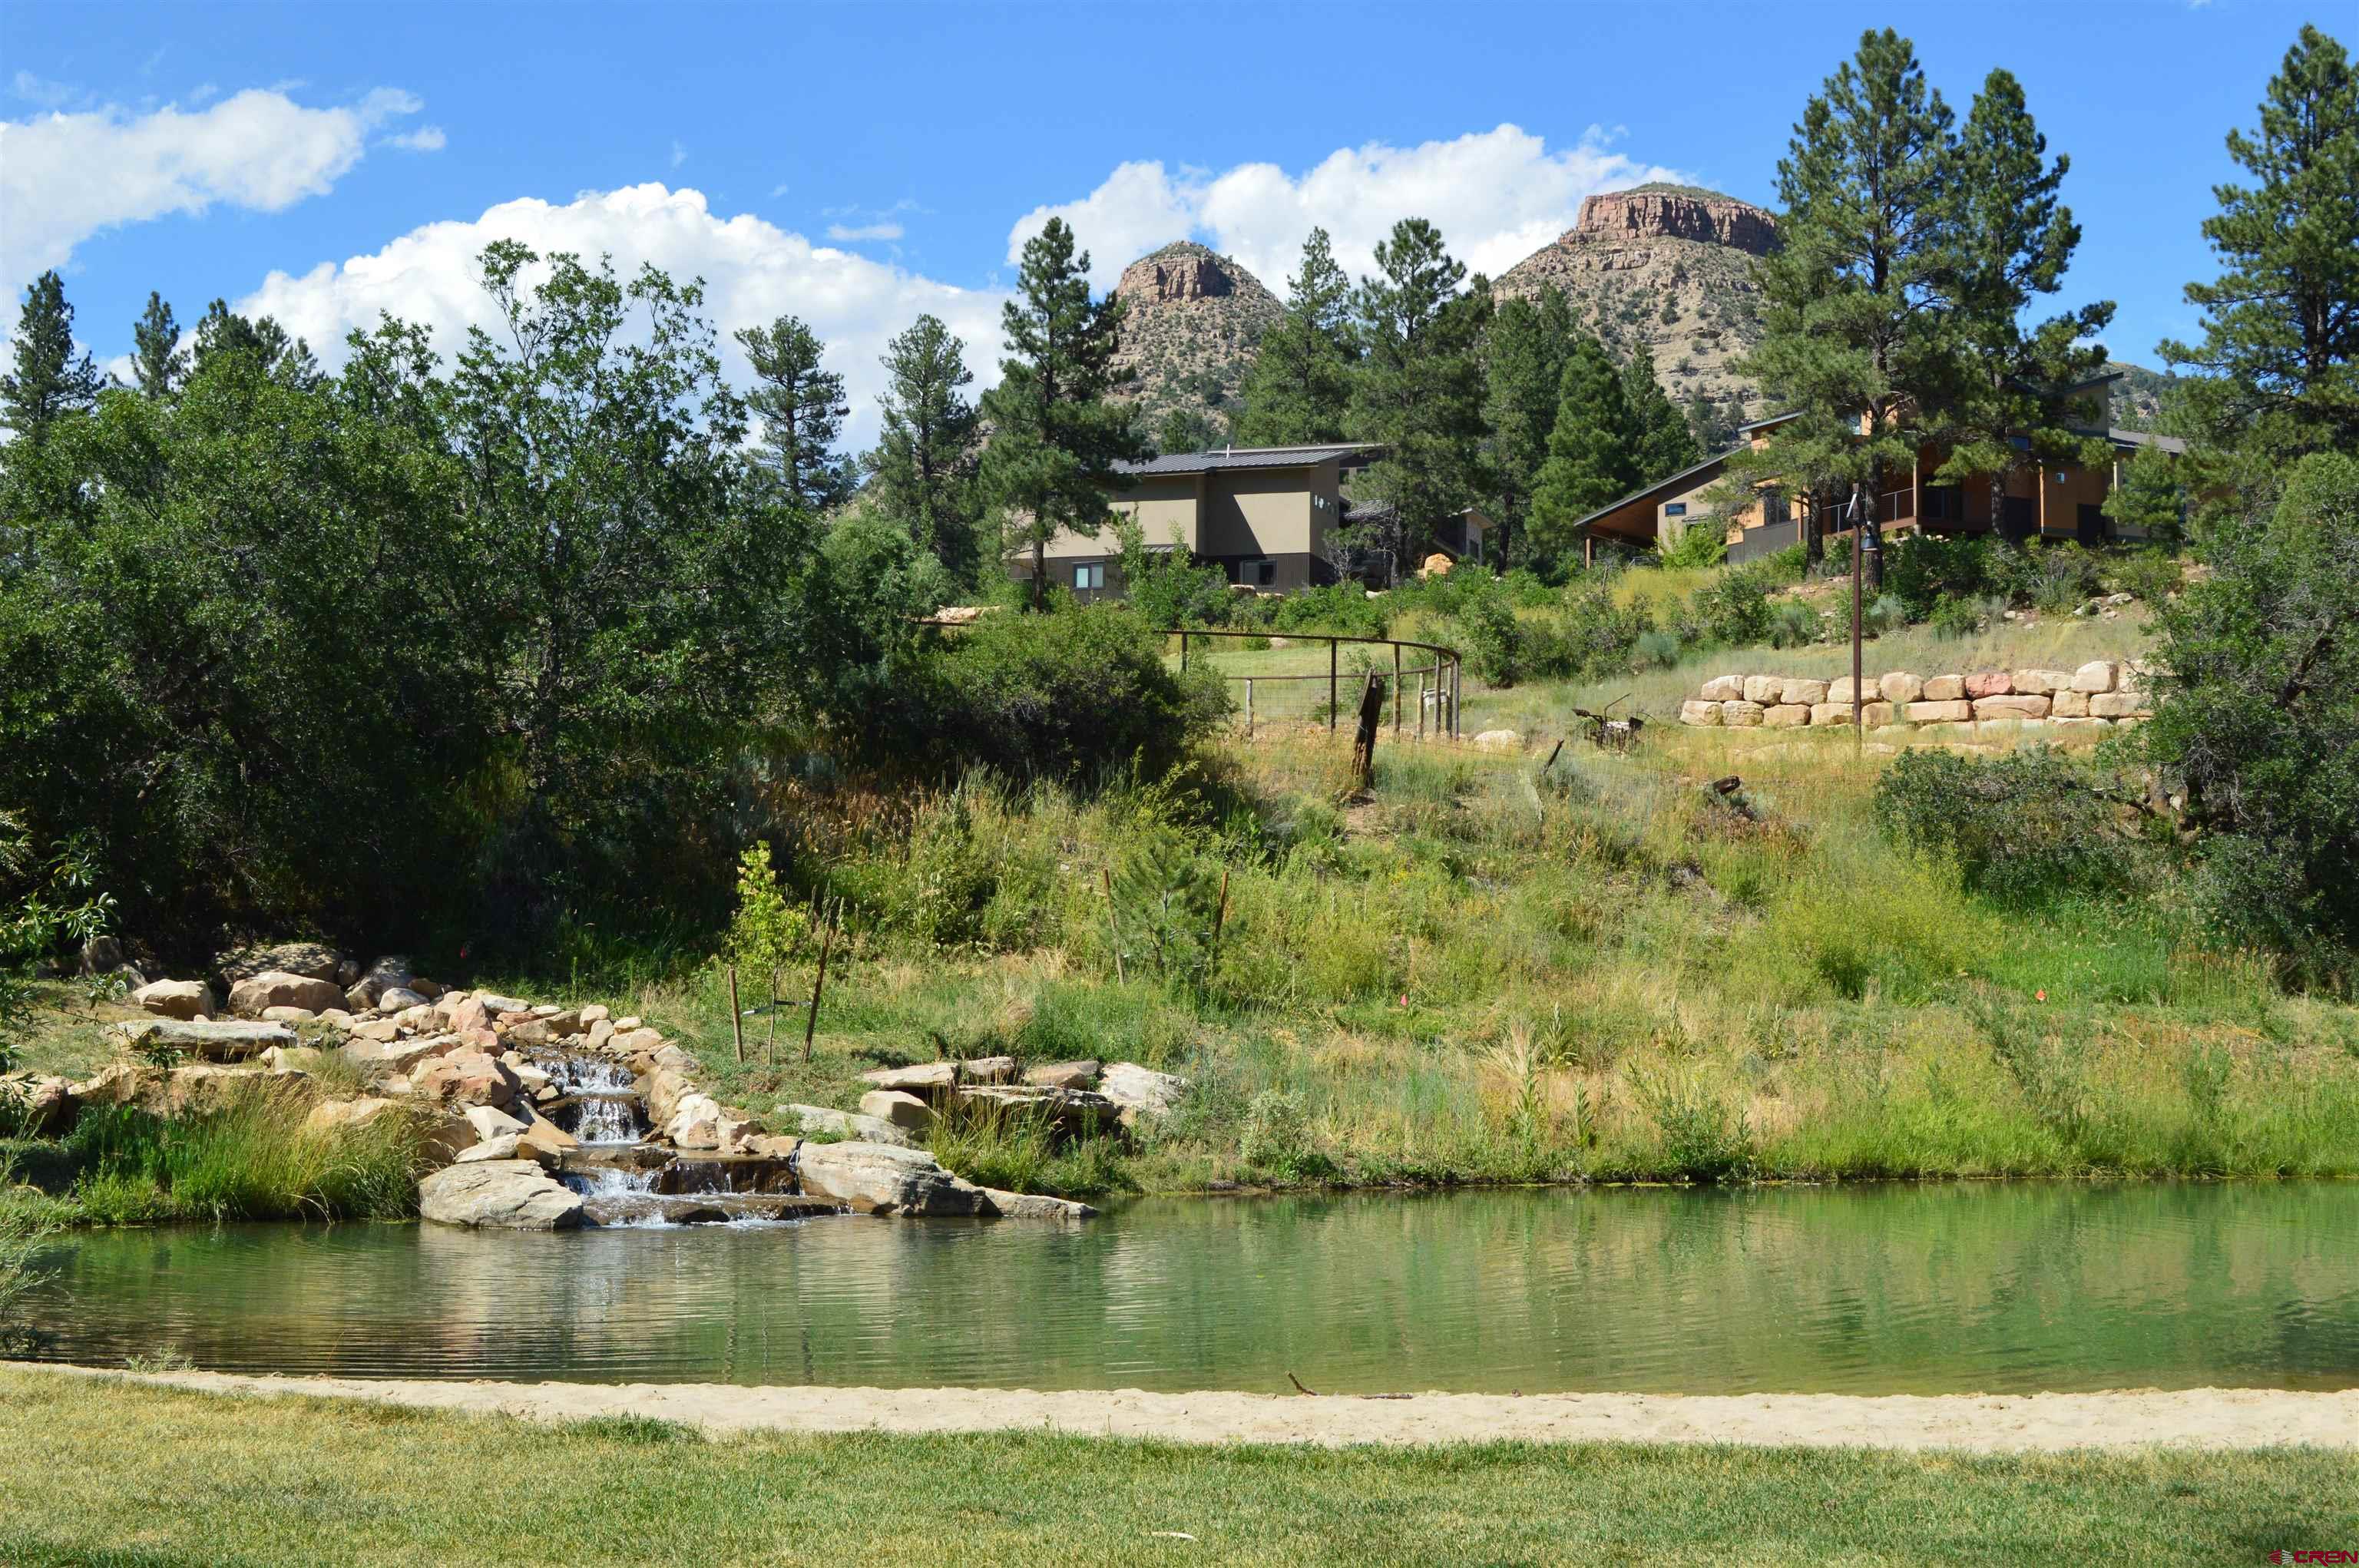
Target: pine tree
(49, 381)
(1186, 429)
(1660, 442)
(1054, 438)
(1589, 460)
(1419, 388)
(159, 363)
(1892, 311)
(922, 472)
(1300, 389)
(802, 412)
(1524, 356)
(2281, 322)
(286, 360)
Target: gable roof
(1660, 487)
(1246, 457)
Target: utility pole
(1863, 539)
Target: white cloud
(1496, 196)
(38, 89)
(64, 178)
(753, 270)
(864, 232)
(679, 153)
(425, 138)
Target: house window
(1676, 509)
(1774, 511)
(1944, 503)
(1263, 573)
(1089, 574)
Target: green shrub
(1073, 694)
(1601, 634)
(1698, 1137)
(1488, 634)
(1339, 609)
(1733, 609)
(1656, 650)
(1924, 570)
(2151, 575)
(1277, 1139)
(1793, 625)
(2021, 828)
(23, 1235)
(1699, 545)
(1955, 618)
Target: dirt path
(2201, 1418)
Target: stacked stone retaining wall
(2099, 695)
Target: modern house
(1263, 514)
(2038, 499)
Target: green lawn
(101, 1473)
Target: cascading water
(607, 1110)
(606, 1119)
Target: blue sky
(327, 161)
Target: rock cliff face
(1671, 267)
(1188, 338)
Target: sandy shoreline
(2196, 1418)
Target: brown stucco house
(2036, 500)
(1263, 514)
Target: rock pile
(2094, 697)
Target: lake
(1918, 1288)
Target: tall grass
(251, 1158)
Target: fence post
(1421, 701)
(1397, 685)
(1332, 704)
(1183, 653)
(1249, 707)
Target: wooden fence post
(1363, 743)
(1249, 707)
(819, 983)
(1397, 688)
(736, 1019)
(1332, 699)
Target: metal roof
(2120, 437)
(1245, 457)
(1658, 484)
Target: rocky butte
(1192, 319)
(1670, 266)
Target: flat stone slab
(499, 1194)
(224, 1042)
(841, 1124)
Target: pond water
(1892, 1289)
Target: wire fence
(1306, 679)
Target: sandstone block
(1939, 710)
(1874, 714)
(1830, 713)
(308, 959)
(843, 1124)
(1989, 683)
(279, 988)
(502, 1194)
(181, 999)
(1899, 687)
(290, 1016)
(1839, 690)
(1784, 716)
(222, 1041)
(1723, 689)
(1764, 689)
(926, 1078)
(1032, 1206)
(1801, 693)
(2066, 704)
(2115, 706)
(2095, 676)
(2034, 681)
(2010, 707)
(1140, 1091)
(1944, 688)
(1064, 1074)
(884, 1179)
(1740, 715)
(903, 1110)
(1706, 715)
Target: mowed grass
(101, 1473)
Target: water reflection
(1899, 1289)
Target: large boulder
(498, 1194)
(44, 1107)
(1764, 689)
(1944, 689)
(1990, 684)
(1899, 687)
(308, 959)
(2094, 677)
(1797, 690)
(884, 1179)
(465, 1078)
(1723, 689)
(222, 1041)
(926, 1079)
(1702, 713)
(339, 1116)
(179, 999)
(1740, 715)
(282, 988)
(1139, 1092)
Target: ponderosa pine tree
(1054, 438)
(2280, 345)
(1891, 312)
(1186, 430)
(1591, 460)
(802, 411)
(49, 380)
(287, 359)
(1523, 360)
(1300, 389)
(1419, 388)
(923, 473)
(1661, 441)
(159, 363)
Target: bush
(1697, 546)
(1487, 633)
(1956, 618)
(1656, 650)
(1733, 609)
(2151, 576)
(1072, 694)
(1925, 569)
(1601, 635)
(2021, 828)
(23, 1236)
(1339, 609)
(1793, 625)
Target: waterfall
(611, 1182)
(606, 1119)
